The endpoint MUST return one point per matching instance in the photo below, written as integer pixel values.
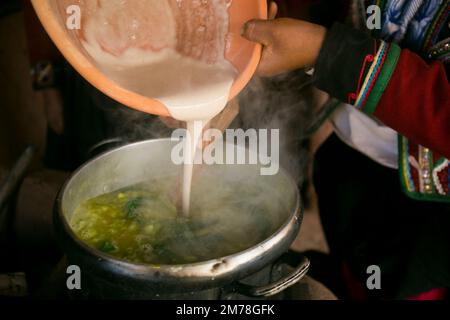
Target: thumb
(258, 31)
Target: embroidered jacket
(400, 77)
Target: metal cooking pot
(248, 273)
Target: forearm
(394, 85)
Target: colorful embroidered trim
(425, 170)
(369, 58)
(437, 171)
(378, 77)
(372, 75)
(384, 77)
(440, 166)
(440, 51)
(436, 26)
(404, 159)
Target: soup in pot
(141, 223)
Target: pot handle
(278, 286)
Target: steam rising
(284, 102)
(234, 208)
(231, 200)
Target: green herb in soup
(141, 223)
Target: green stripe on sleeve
(383, 79)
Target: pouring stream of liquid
(191, 89)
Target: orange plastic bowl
(243, 54)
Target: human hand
(289, 44)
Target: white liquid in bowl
(180, 62)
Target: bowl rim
(200, 269)
(99, 80)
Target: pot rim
(211, 268)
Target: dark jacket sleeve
(396, 86)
